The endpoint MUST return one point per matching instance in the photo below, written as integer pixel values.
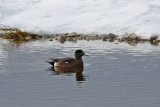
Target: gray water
(115, 75)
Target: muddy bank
(17, 36)
(131, 39)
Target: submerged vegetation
(18, 37)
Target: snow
(83, 16)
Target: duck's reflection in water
(60, 71)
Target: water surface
(115, 75)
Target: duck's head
(79, 53)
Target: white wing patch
(66, 62)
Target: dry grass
(16, 35)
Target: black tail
(52, 61)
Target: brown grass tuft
(16, 35)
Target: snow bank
(83, 16)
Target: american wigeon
(67, 63)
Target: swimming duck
(69, 62)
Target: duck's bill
(85, 55)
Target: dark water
(116, 75)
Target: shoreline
(17, 36)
